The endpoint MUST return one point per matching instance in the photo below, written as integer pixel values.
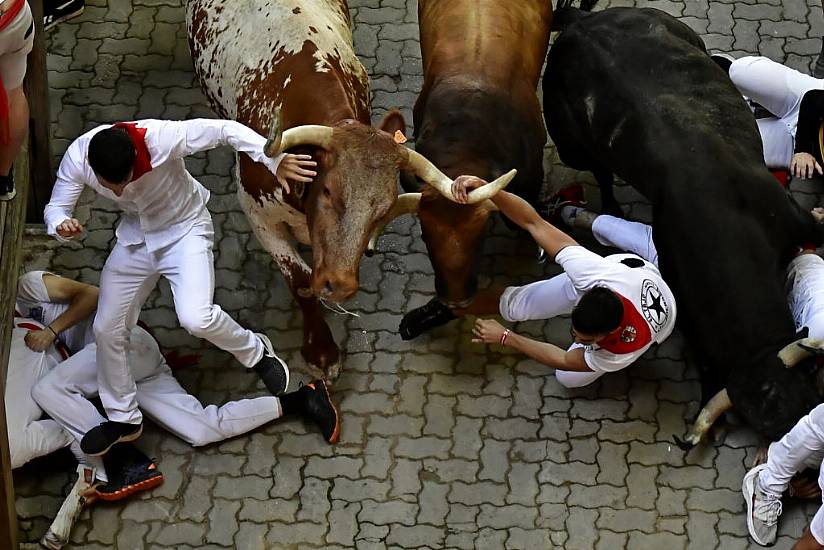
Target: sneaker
(130, 472)
(723, 60)
(55, 11)
(425, 318)
(7, 190)
(762, 509)
(100, 439)
(271, 368)
(318, 408)
(568, 196)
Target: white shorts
(16, 41)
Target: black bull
(632, 92)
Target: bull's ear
(393, 122)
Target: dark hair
(111, 154)
(599, 311)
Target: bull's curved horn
(429, 173)
(715, 407)
(310, 134)
(407, 203)
(794, 353)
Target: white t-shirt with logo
(642, 286)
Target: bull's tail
(565, 14)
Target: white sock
(94, 461)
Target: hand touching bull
(298, 168)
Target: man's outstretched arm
(548, 237)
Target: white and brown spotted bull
(255, 58)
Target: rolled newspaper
(61, 528)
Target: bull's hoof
(425, 318)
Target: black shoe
(425, 318)
(55, 11)
(100, 439)
(271, 368)
(318, 408)
(129, 471)
(7, 190)
(723, 60)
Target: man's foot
(100, 439)
(723, 60)
(7, 190)
(763, 509)
(55, 11)
(434, 314)
(568, 196)
(129, 471)
(318, 408)
(271, 368)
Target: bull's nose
(336, 289)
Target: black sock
(292, 403)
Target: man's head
(598, 313)
(111, 156)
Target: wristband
(52, 330)
(503, 337)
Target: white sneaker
(763, 509)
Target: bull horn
(407, 203)
(310, 134)
(718, 405)
(794, 353)
(429, 173)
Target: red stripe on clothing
(7, 17)
(632, 319)
(142, 161)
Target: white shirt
(642, 286)
(33, 302)
(162, 205)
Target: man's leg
(764, 484)
(126, 281)
(64, 395)
(805, 282)
(189, 267)
(539, 300)
(16, 42)
(166, 402)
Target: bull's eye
(327, 192)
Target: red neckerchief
(632, 335)
(142, 161)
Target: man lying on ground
(620, 305)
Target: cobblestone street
(445, 444)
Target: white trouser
(802, 447)
(625, 235)
(805, 293)
(65, 392)
(130, 274)
(779, 89)
(29, 437)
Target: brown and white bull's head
(355, 193)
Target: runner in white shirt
(620, 305)
(166, 230)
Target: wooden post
(37, 92)
(12, 222)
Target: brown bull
(478, 113)
(295, 57)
